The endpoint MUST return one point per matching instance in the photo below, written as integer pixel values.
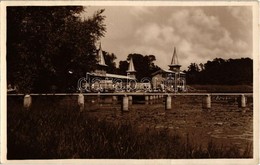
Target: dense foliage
(144, 65)
(110, 62)
(50, 46)
(222, 72)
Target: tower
(101, 65)
(174, 66)
(131, 69)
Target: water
(225, 123)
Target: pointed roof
(131, 67)
(174, 61)
(100, 56)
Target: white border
(256, 62)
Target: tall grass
(51, 132)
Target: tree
(222, 72)
(50, 45)
(144, 65)
(110, 62)
(123, 66)
(192, 74)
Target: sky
(199, 33)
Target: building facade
(101, 81)
(171, 80)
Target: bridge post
(151, 97)
(243, 101)
(168, 103)
(125, 104)
(81, 102)
(99, 100)
(130, 99)
(146, 98)
(27, 102)
(114, 98)
(207, 102)
(155, 98)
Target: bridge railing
(127, 98)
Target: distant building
(172, 80)
(131, 69)
(100, 80)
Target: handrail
(133, 94)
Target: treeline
(221, 72)
(143, 64)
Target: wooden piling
(207, 102)
(151, 97)
(27, 102)
(114, 98)
(243, 101)
(168, 103)
(81, 102)
(130, 99)
(125, 104)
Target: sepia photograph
(132, 81)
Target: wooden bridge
(128, 98)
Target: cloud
(196, 35)
(241, 14)
(153, 33)
(199, 33)
(139, 10)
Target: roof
(166, 71)
(108, 75)
(100, 56)
(174, 61)
(118, 76)
(131, 67)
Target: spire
(100, 56)
(174, 66)
(131, 67)
(174, 58)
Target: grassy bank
(221, 88)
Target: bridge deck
(133, 94)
